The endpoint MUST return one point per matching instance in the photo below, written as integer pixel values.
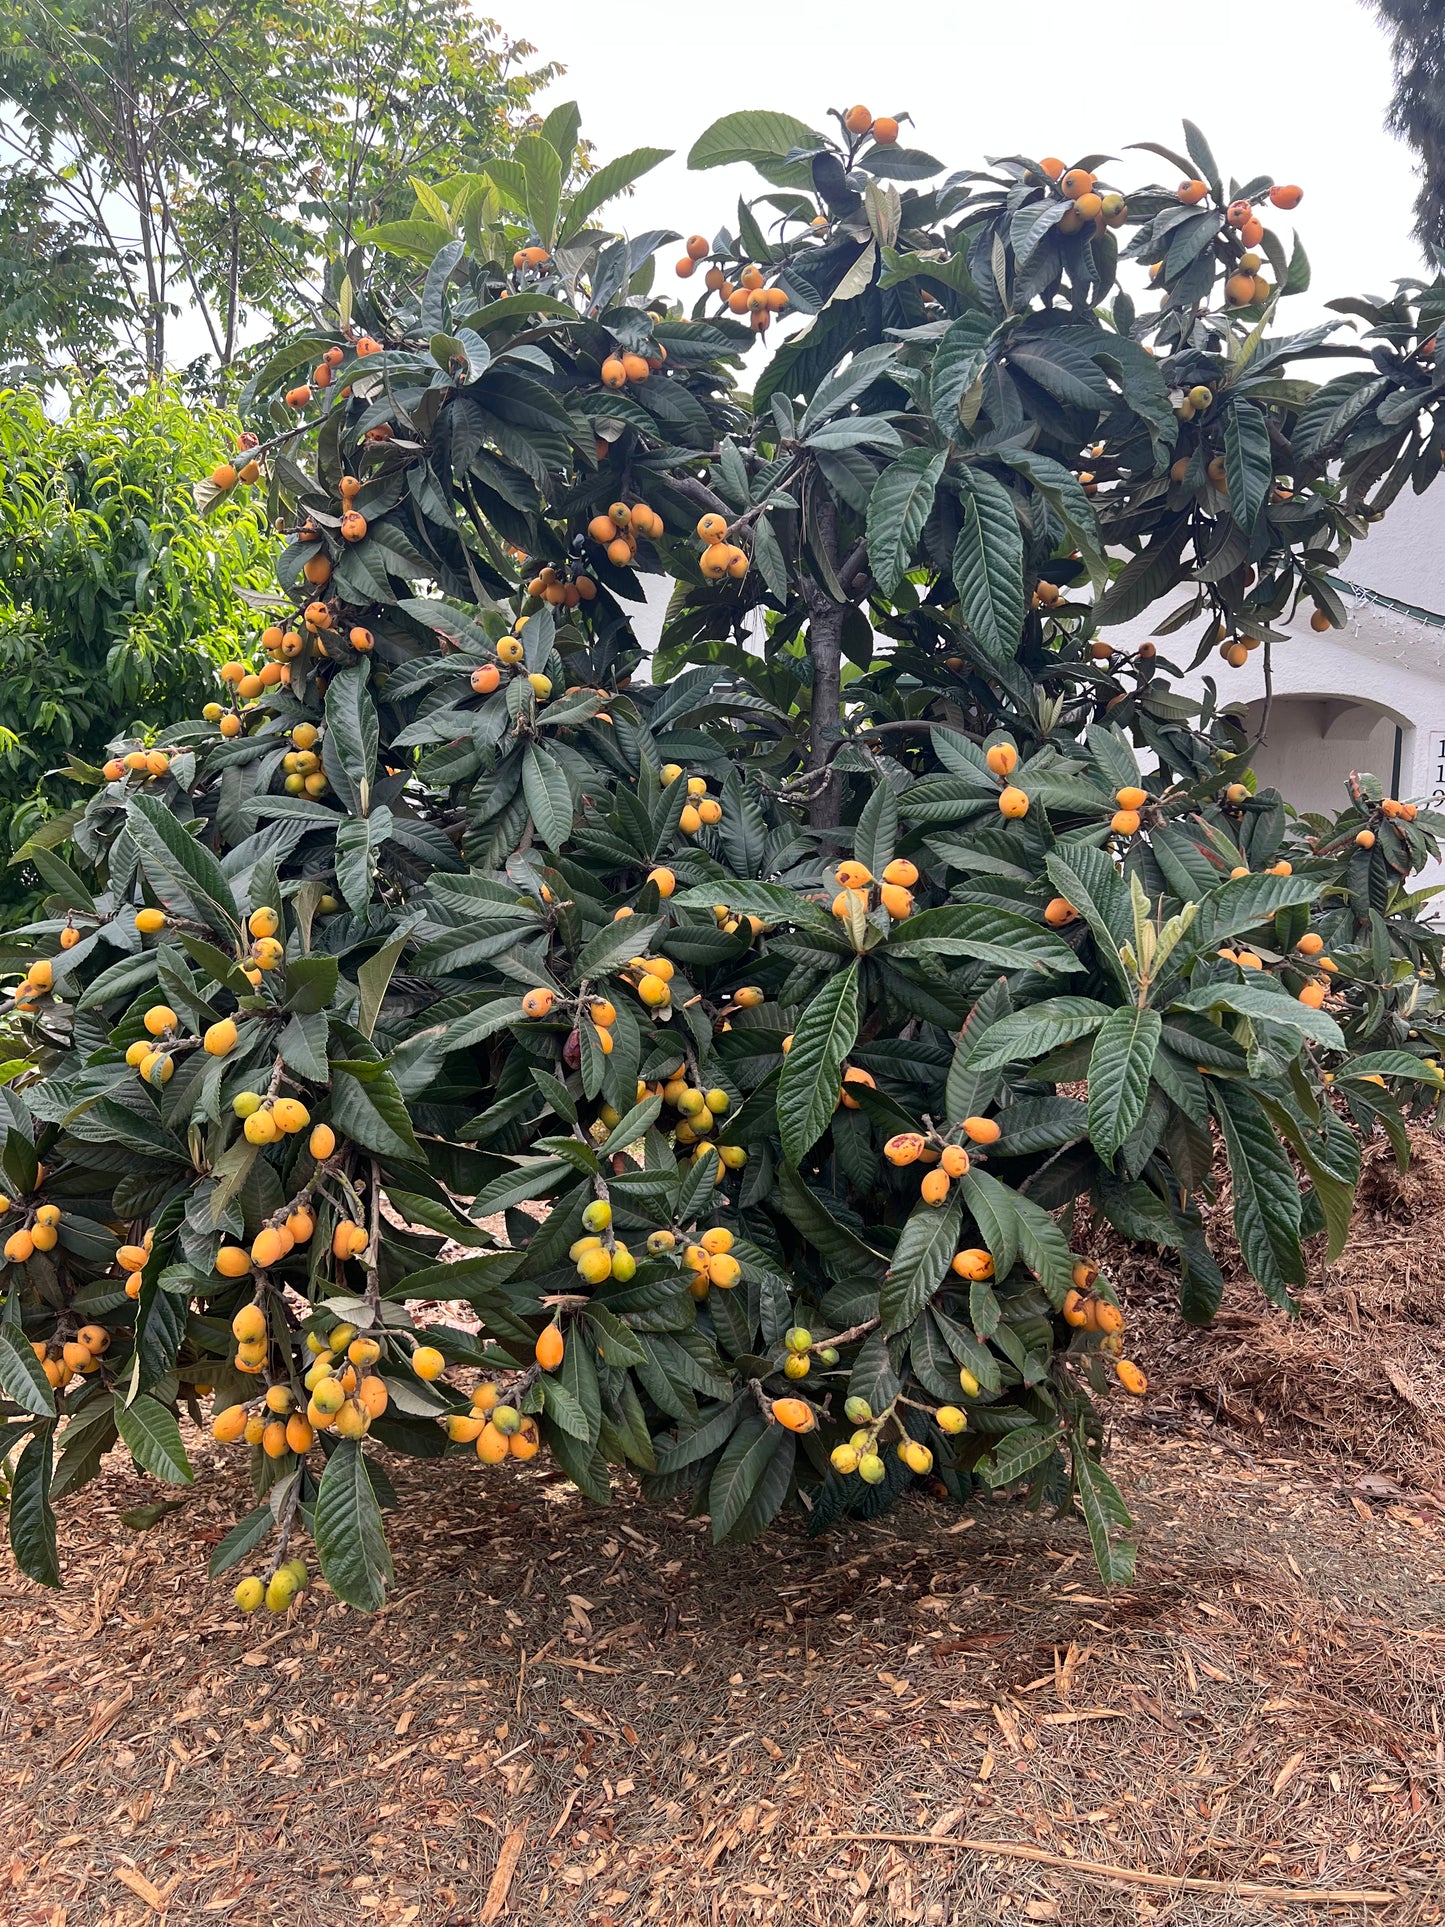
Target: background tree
(62, 303)
(1417, 109)
(215, 157)
(118, 599)
(771, 976)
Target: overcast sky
(1297, 89)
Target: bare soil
(591, 1718)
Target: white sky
(1298, 89)
(1293, 88)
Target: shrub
(717, 1040)
(116, 599)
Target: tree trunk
(233, 288)
(825, 647)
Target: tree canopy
(754, 998)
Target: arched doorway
(1313, 743)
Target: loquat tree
(716, 1039)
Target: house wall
(1338, 698)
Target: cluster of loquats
(323, 375)
(285, 648)
(38, 1228)
(740, 286)
(859, 891)
(507, 656)
(277, 1592)
(698, 811)
(860, 125)
(342, 1390)
(721, 560)
(226, 475)
(61, 1358)
(491, 1424)
(133, 1259)
(949, 1154)
(38, 983)
(862, 1452)
(1089, 1310)
(630, 368)
(696, 1124)
(570, 586)
(616, 533)
(1088, 206)
(146, 765)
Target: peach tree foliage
(907, 465)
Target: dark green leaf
(350, 1538)
(812, 1071)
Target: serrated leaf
(751, 135)
(21, 1379)
(606, 183)
(994, 1208)
(373, 1114)
(1036, 1031)
(613, 945)
(958, 362)
(897, 510)
(32, 1516)
(739, 1472)
(992, 936)
(243, 1537)
(1248, 464)
(548, 795)
(1119, 1070)
(988, 565)
(772, 902)
(1275, 1007)
(1104, 1513)
(150, 1432)
(920, 1262)
(876, 837)
(351, 737)
(1266, 1191)
(182, 872)
(350, 1538)
(813, 1069)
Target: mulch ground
(592, 1718)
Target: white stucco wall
(1338, 697)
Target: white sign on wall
(1435, 770)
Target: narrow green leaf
(1119, 1069)
(988, 565)
(897, 510)
(920, 1262)
(32, 1516)
(350, 1538)
(243, 1537)
(812, 1071)
(150, 1431)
